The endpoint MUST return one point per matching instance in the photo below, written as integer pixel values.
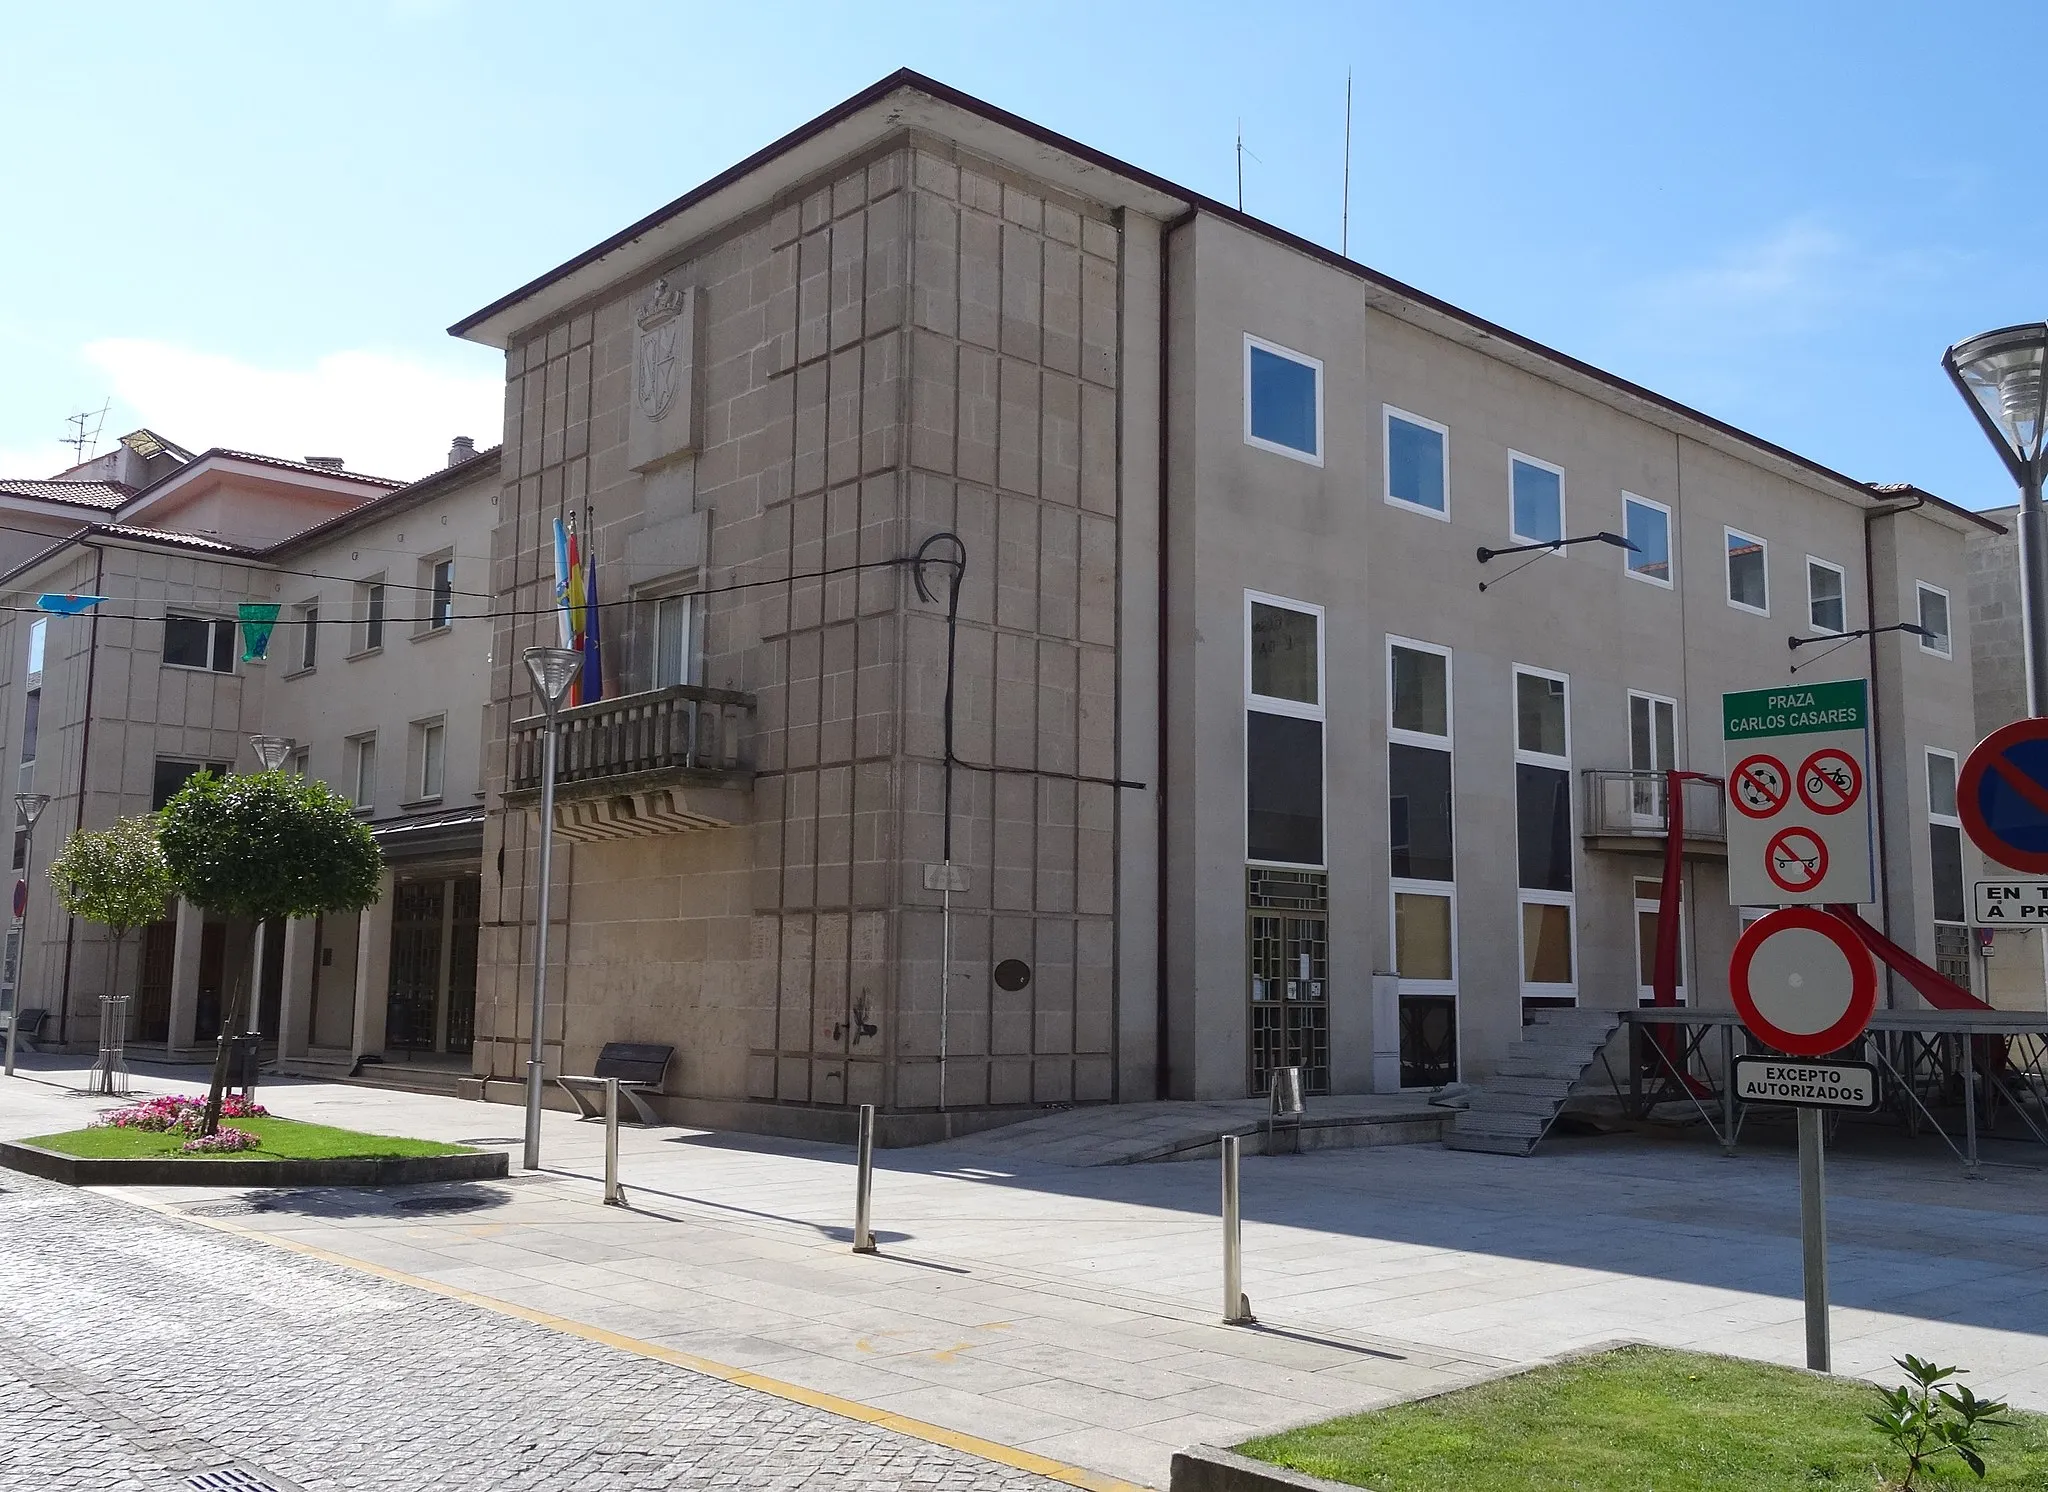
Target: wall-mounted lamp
(1603, 537)
(1844, 638)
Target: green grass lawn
(283, 1139)
(1641, 1419)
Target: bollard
(1237, 1310)
(863, 1183)
(614, 1194)
(1813, 1237)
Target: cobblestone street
(137, 1352)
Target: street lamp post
(553, 670)
(270, 752)
(2000, 376)
(28, 807)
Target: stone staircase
(1516, 1106)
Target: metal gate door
(1287, 944)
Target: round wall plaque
(1012, 974)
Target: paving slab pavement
(1070, 1310)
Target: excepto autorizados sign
(1803, 1084)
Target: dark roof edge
(944, 93)
(378, 507)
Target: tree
(114, 876)
(264, 846)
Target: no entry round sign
(1802, 982)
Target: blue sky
(250, 224)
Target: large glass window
(1536, 499)
(1283, 789)
(1652, 751)
(363, 770)
(674, 659)
(199, 642)
(38, 635)
(1647, 525)
(1945, 838)
(1283, 401)
(1934, 619)
(441, 599)
(309, 634)
(1648, 903)
(1283, 731)
(1827, 609)
(170, 775)
(1418, 463)
(369, 617)
(1422, 841)
(1543, 835)
(1748, 573)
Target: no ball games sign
(1798, 811)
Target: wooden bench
(640, 1067)
(32, 1021)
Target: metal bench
(640, 1067)
(32, 1022)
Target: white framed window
(1649, 893)
(369, 615)
(1652, 751)
(362, 771)
(1417, 462)
(429, 753)
(1283, 400)
(1749, 584)
(301, 762)
(1934, 620)
(38, 636)
(1421, 830)
(307, 615)
(1827, 596)
(1646, 523)
(1545, 847)
(436, 593)
(1283, 682)
(206, 643)
(675, 644)
(1945, 839)
(1535, 500)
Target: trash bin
(243, 1061)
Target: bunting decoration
(257, 618)
(67, 605)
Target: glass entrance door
(431, 1003)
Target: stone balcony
(664, 762)
(1627, 812)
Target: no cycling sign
(1798, 813)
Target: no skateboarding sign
(1799, 826)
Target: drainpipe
(1162, 1060)
(92, 660)
(1884, 868)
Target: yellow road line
(796, 1393)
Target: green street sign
(1795, 710)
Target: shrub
(1926, 1419)
(176, 1112)
(223, 1141)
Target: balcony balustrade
(1629, 812)
(666, 761)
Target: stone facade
(914, 345)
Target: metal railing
(1634, 805)
(685, 725)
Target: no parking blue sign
(2002, 796)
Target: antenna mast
(1344, 242)
(1240, 164)
(84, 443)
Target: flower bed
(177, 1112)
